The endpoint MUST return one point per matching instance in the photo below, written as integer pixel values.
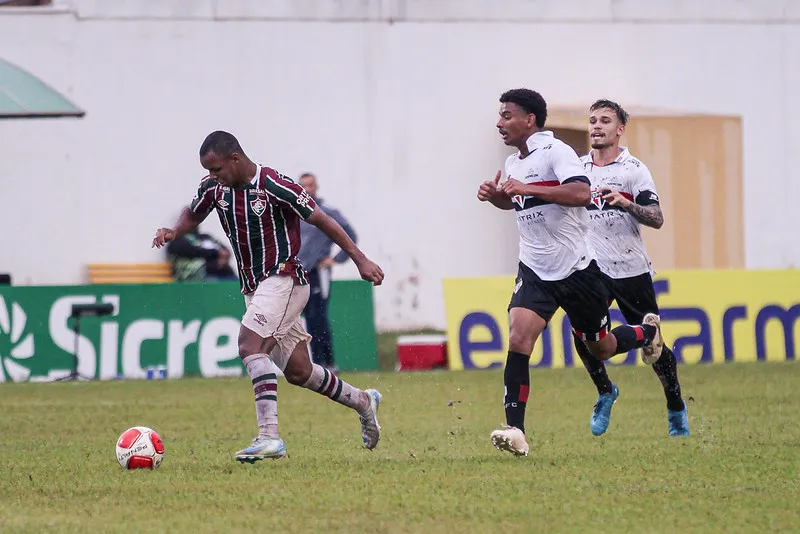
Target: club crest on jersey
(258, 205)
(597, 199)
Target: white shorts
(273, 310)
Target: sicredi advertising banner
(189, 328)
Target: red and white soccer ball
(140, 447)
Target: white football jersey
(552, 238)
(614, 234)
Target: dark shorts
(584, 296)
(635, 296)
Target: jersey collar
(254, 181)
(536, 138)
(624, 155)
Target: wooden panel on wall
(696, 162)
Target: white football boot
(261, 449)
(652, 352)
(511, 439)
(370, 429)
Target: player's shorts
(273, 310)
(583, 295)
(635, 296)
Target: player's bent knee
(525, 328)
(602, 350)
(298, 368)
(521, 342)
(295, 376)
(251, 343)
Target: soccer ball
(140, 447)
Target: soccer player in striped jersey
(548, 190)
(260, 211)
(624, 197)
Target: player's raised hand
(489, 188)
(163, 236)
(370, 271)
(512, 187)
(615, 198)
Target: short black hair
(220, 143)
(530, 101)
(622, 115)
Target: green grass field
(434, 470)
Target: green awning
(24, 96)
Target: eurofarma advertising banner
(707, 317)
(181, 329)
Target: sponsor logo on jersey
(605, 215)
(536, 217)
(304, 199)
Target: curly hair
(530, 101)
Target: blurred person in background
(315, 255)
(624, 197)
(197, 257)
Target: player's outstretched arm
(186, 222)
(490, 191)
(571, 193)
(368, 269)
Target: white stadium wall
(392, 103)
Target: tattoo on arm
(647, 215)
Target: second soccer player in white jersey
(623, 198)
(548, 190)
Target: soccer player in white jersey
(623, 198)
(548, 189)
